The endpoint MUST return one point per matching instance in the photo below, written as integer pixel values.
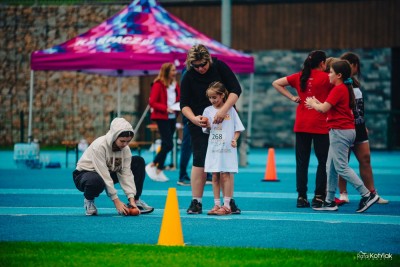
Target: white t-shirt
(171, 98)
(221, 156)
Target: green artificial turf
(104, 254)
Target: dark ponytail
(312, 61)
(354, 59)
(343, 67)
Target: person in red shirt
(310, 126)
(360, 147)
(340, 119)
(165, 92)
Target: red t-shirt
(310, 120)
(340, 116)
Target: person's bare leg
(342, 185)
(363, 155)
(198, 180)
(227, 184)
(216, 185)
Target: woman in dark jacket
(165, 92)
(202, 70)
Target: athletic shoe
(382, 200)
(302, 202)
(234, 208)
(184, 182)
(209, 180)
(328, 206)
(151, 172)
(317, 201)
(223, 211)
(161, 177)
(195, 207)
(367, 202)
(339, 202)
(344, 197)
(90, 208)
(143, 207)
(214, 210)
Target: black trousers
(91, 183)
(166, 128)
(303, 152)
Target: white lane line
(323, 217)
(182, 193)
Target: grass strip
(105, 254)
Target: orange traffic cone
(270, 172)
(171, 228)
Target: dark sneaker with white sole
(317, 201)
(328, 206)
(234, 208)
(302, 202)
(367, 202)
(195, 207)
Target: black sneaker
(329, 206)
(195, 207)
(234, 208)
(184, 182)
(317, 201)
(367, 202)
(302, 202)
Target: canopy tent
(136, 41)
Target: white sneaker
(382, 200)
(151, 172)
(161, 177)
(143, 207)
(344, 197)
(90, 208)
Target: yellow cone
(171, 228)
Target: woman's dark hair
(354, 59)
(343, 67)
(126, 134)
(312, 61)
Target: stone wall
(66, 105)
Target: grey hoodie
(100, 158)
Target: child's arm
(235, 138)
(313, 103)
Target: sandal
(223, 211)
(214, 210)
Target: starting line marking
(323, 217)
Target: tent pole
(30, 108)
(250, 109)
(226, 13)
(140, 121)
(119, 96)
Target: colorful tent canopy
(136, 41)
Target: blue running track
(43, 205)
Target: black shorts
(199, 145)
(361, 134)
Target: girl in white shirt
(221, 157)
